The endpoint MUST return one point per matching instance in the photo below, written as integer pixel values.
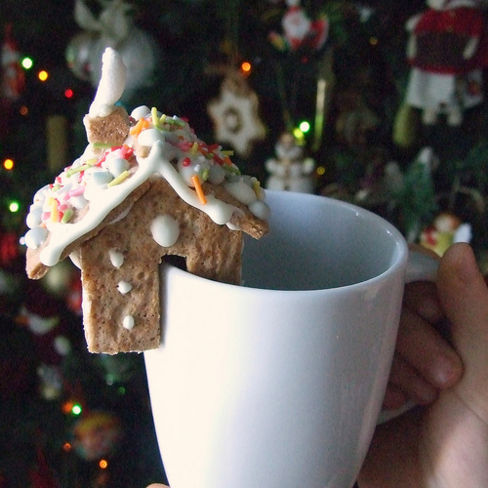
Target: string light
(8, 164)
(76, 409)
(13, 206)
(246, 68)
(103, 464)
(27, 62)
(67, 447)
(43, 75)
(320, 170)
(68, 93)
(304, 126)
(23, 110)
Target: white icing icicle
(111, 86)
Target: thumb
(464, 298)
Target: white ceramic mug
(278, 384)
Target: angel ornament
(290, 170)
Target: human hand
(424, 361)
(446, 443)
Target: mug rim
(399, 259)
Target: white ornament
(235, 115)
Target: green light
(304, 126)
(14, 206)
(27, 63)
(76, 409)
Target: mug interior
(318, 243)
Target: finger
(405, 378)
(421, 297)
(464, 297)
(427, 351)
(394, 398)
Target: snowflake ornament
(235, 115)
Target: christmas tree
(352, 100)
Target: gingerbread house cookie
(145, 188)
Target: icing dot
(260, 209)
(128, 322)
(124, 287)
(241, 191)
(165, 230)
(35, 237)
(116, 258)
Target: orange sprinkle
(227, 161)
(139, 127)
(198, 188)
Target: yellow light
(103, 464)
(320, 171)
(8, 164)
(298, 134)
(43, 75)
(246, 67)
(373, 40)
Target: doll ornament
(290, 170)
(447, 51)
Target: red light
(68, 93)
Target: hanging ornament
(290, 169)
(299, 32)
(447, 50)
(13, 80)
(445, 230)
(235, 114)
(9, 248)
(113, 27)
(97, 434)
(42, 476)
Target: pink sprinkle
(62, 207)
(76, 192)
(46, 215)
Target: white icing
(111, 86)
(35, 237)
(128, 322)
(116, 258)
(124, 287)
(165, 230)
(95, 184)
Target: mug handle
(420, 267)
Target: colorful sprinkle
(123, 176)
(198, 188)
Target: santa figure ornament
(299, 31)
(13, 79)
(447, 52)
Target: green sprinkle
(101, 145)
(123, 176)
(204, 174)
(79, 169)
(227, 152)
(162, 120)
(67, 216)
(234, 170)
(155, 118)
